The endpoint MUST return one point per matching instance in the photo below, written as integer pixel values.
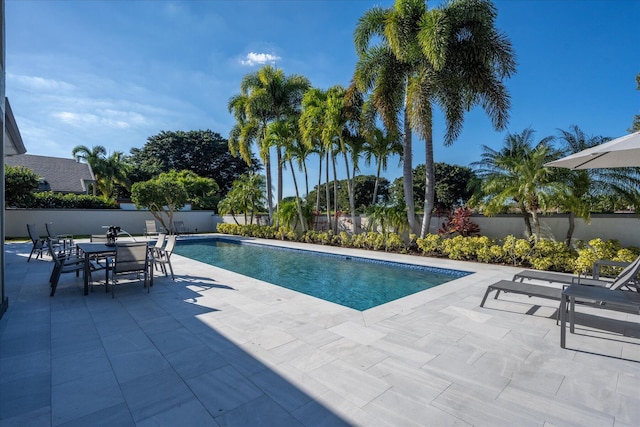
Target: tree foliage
(20, 184)
(202, 152)
(163, 196)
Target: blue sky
(113, 73)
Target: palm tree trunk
(536, 224)
(318, 192)
(298, 204)
(269, 191)
(407, 173)
(528, 231)
(279, 154)
(429, 189)
(572, 227)
(326, 188)
(375, 187)
(335, 193)
(351, 191)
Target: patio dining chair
(38, 242)
(163, 257)
(66, 240)
(159, 244)
(180, 228)
(151, 228)
(131, 259)
(68, 263)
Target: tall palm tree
(452, 56)
(113, 170)
(285, 135)
(265, 96)
(380, 146)
(94, 157)
(582, 185)
(517, 173)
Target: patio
(216, 348)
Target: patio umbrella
(618, 153)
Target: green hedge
(51, 200)
(543, 255)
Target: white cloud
(35, 83)
(253, 58)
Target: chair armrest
(589, 282)
(606, 262)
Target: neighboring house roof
(59, 175)
(12, 140)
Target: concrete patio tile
(13, 368)
(117, 415)
(554, 409)
(223, 390)
(261, 411)
(357, 332)
(74, 399)
(156, 393)
(193, 361)
(75, 366)
(280, 390)
(189, 413)
(399, 410)
(40, 417)
(354, 385)
(301, 355)
(24, 395)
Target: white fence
(622, 227)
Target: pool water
(354, 282)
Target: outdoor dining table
(89, 249)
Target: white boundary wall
(622, 227)
(90, 221)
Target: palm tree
(517, 173)
(380, 146)
(582, 185)
(284, 135)
(94, 157)
(265, 96)
(113, 170)
(452, 56)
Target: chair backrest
(33, 233)
(179, 226)
(171, 243)
(160, 242)
(50, 230)
(131, 256)
(150, 226)
(101, 238)
(626, 275)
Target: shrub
(550, 255)
(517, 250)
(459, 222)
(431, 244)
(51, 200)
(597, 249)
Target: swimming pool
(358, 283)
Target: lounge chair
(131, 258)
(38, 242)
(163, 257)
(625, 280)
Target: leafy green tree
(112, 172)
(20, 184)
(287, 213)
(202, 152)
(364, 188)
(201, 191)
(453, 185)
(452, 56)
(163, 196)
(265, 96)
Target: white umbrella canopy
(618, 153)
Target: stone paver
(219, 349)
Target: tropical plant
(459, 223)
(582, 186)
(380, 146)
(94, 157)
(452, 56)
(517, 173)
(113, 171)
(265, 96)
(246, 196)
